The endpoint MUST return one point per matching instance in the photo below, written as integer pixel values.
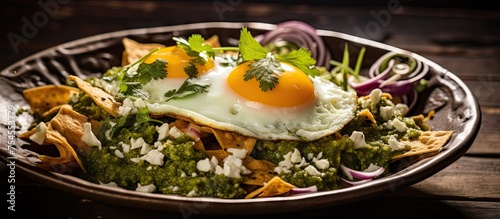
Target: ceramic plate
(456, 109)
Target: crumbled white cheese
(386, 112)
(233, 164)
(126, 107)
(149, 168)
(175, 132)
(139, 103)
(88, 136)
(285, 164)
(119, 154)
(400, 126)
(395, 144)
(322, 164)
(302, 163)
(137, 143)
(311, 170)
(125, 147)
(40, 133)
(205, 165)
(194, 174)
(154, 157)
(238, 153)
(295, 157)
(359, 139)
(158, 145)
(375, 96)
(403, 108)
(310, 156)
(145, 148)
(320, 155)
(147, 188)
(388, 125)
(219, 170)
(136, 159)
(162, 131)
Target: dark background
(67, 20)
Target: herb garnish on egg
(267, 68)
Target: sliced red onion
(301, 34)
(295, 191)
(355, 174)
(193, 131)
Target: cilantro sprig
(267, 68)
(132, 81)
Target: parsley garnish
(267, 67)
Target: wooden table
(465, 41)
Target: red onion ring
(301, 34)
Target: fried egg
(300, 107)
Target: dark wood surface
(463, 39)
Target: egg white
(221, 108)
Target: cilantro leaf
(147, 72)
(301, 59)
(142, 116)
(196, 48)
(250, 49)
(189, 87)
(265, 71)
(191, 70)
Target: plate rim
(374, 188)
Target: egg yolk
(177, 59)
(293, 89)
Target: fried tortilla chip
(100, 97)
(44, 98)
(366, 114)
(274, 187)
(262, 171)
(232, 140)
(428, 142)
(67, 155)
(135, 50)
(69, 124)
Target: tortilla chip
(44, 98)
(67, 155)
(135, 50)
(232, 140)
(366, 114)
(428, 142)
(262, 171)
(100, 97)
(213, 41)
(258, 177)
(274, 187)
(69, 124)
